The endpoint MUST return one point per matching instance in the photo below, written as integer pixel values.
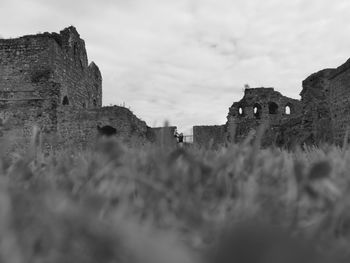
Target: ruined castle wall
(81, 82)
(315, 97)
(23, 63)
(78, 126)
(261, 106)
(28, 97)
(18, 117)
(340, 103)
(262, 99)
(322, 115)
(162, 135)
(325, 99)
(94, 82)
(206, 135)
(287, 135)
(61, 58)
(46, 81)
(121, 118)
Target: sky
(187, 61)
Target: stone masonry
(262, 105)
(47, 81)
(321, 116)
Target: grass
(160, 203)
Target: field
(163, 204)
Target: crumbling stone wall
(321, 116)
(19, 115)
(339, 101)
(162, 135)
(261, 106)
(23, 63)
(81, 82)
(78, 126)
(46, 81)
(281, 116)
(204, 136)
(316, 108)
(325, 98)
(59, 58)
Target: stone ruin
(47, 81)
(321, 116)
(264, 106)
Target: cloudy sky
(187, 61)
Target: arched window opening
(288, 110)
(273, 108)
(106, 130)
(240, 111)
(65, 101)
(257, 110)
(94, 102)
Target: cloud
(188, 60)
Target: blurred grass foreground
(163, 204)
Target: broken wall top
(264, 103)
(57, 57)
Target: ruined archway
(273, 108)
(106, 130)
(65, 101)
(257, 110)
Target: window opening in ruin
(106, 130)
(240, 111)
(94, 102)
(257, 110)
(273, 108)
(65, 101)
(288, 110)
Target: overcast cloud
(188, 60)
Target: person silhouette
(179, 137)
